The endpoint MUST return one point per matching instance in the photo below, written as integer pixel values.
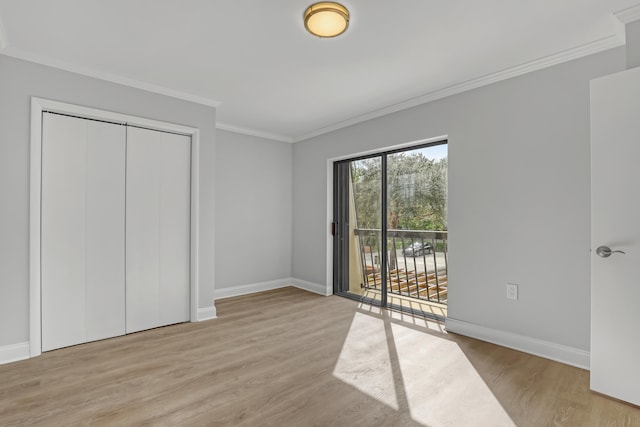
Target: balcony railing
(416, 262)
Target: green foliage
(417, 192)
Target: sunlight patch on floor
(364, 361)
(412, 370)
(441, 385)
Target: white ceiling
(270, 77)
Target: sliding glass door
(390, 226)
(358, 229)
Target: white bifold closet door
(83, 230)
(157, 228)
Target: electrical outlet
(512, 291)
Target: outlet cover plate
(512, 291)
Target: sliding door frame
(40, 105)
(335, 275)
(340, 229)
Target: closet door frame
(40, 105)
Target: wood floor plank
(292, 358)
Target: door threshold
(424, 309)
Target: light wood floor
(291, 358)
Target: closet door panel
(105, 230)
(82, 230)
(63, 236)
(175, 224)
(158, 228)
(143, 223)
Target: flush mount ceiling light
(326, 19)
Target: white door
(82, 235)
(615, 223)
(158, 228)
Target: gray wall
(519, 184)
(519, 188)
(253, 209)
(19, 81)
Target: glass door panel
(358, 237)
(417, 223)
(366, 223)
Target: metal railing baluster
(395, 271)
(435, 269)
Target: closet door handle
(606, 252)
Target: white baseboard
(548, 350)
(14, 352)
(311, 287)
(268, 286)
(251, 288)
(207, 313)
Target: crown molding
(621, 18)
(254, 132)
(628, 15)
(619, 29)
(528, 67)
(101, 75)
